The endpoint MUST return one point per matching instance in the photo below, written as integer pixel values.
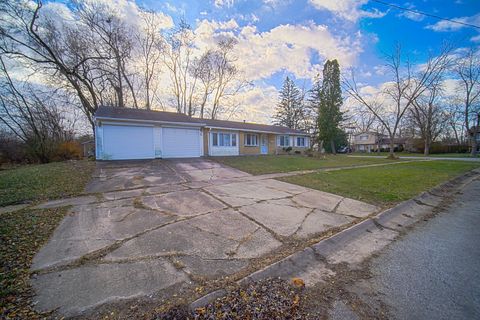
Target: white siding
(222, 150)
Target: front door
(263, 144)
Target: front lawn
(272, 164)
(385, 185)
(44, 181)
(410, 154)
(23, 232)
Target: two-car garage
(124, 141)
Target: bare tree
(177, 57)
(428, 116)
(64, 54)
(390, 105)
(116, 42)
(151, 45)
(467, 68)
(227, 83)
(32, 117)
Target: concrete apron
(157, 230)
(160, 227)
(352, 246)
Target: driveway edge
(354, 244)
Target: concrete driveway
(154, 228)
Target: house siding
(206, 139)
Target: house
(125, 133)
(366, 141)
(370, 141)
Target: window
(364, 137)
(300, 141)
(284, 141)
(251, 140)
(221, 139)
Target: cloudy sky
(294, 37)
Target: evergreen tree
(289, 111)
(329, 103)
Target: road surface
(433, 272)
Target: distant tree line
(414, 103)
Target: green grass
(272, 164)
(410, 154)
(385, 185)
(32, 183)
(23, 232)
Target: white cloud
(411, 15)
(286, 47)
(449, 26)
(256, 105)
(475, 38)
(347, 9)
(224, 3)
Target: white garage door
(127, 142)
(181, 143)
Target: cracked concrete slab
(88, 229)
(318, 200)
(183, 203)
(319, 221)
(67, 202)
(282, 220)
(355, 208)
(76, 290)
(156, 223)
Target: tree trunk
(474, 137)
(426, 149)
(332, 145)
(391, 153)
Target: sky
(295, 37)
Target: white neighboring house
(125, 133)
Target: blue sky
(295, 37)
(380, 26)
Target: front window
(284, 141)
(222, 139)
(251, 140)
(300, 141)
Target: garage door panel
(181, 143)
(128, 142)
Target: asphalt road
(433, 272)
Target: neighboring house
(125, 133)
(366, 141)
(370, 141)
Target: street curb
(385, 226)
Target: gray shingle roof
(163, 116)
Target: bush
(287, 149)
(68, 150)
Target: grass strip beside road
(33, 183)
(384, 185)
(257, 165)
